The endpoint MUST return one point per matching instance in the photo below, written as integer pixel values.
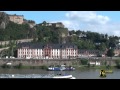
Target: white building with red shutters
(47, 51)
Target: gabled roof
(41, 45)
(89, 51)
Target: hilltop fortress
(19, 19)
(16, 18)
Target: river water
(38, 73)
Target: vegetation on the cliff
(15, 31)
(4, 20)
(50, 34)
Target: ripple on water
(25, 76)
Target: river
(79, 74)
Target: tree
(117, 64)
(78, 32)
(44, 22)
(106, 36)
(110, 53)
(102, 47)
(20, 65)
(71, 32)
(12, 48)
(84, 61)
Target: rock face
(31, 23)
(4, 20)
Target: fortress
(19, 19)
(16, 18)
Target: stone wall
(37, 62)
(17, 41)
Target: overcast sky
(96, 21)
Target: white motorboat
(64, 77)
(73, 78)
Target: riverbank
(23, 67)
(44, 67)
(79, 67)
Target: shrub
(84, 61)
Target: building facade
(90, 53)
(47, 51)
(16, 18)
(58, 24)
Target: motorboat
(61, 68)
(64, 77)
(70, 68)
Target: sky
(103, 22)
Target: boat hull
(61, 69)
(64, 77)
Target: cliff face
(4, 20)
(31, 23)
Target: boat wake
(49, 76)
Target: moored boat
(60, 68)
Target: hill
(53, 33)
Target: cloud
(87, 17)
(91, 21)
(70, 24)
(110, 28)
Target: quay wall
(47, 62)
(36, 62)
